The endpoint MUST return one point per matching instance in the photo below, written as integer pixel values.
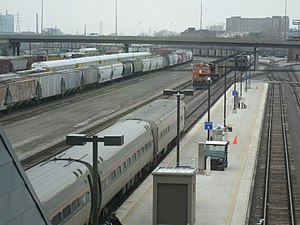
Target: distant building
(216, 28)
(6, 23)
(192, 32)
(52, 31)
(275, 27)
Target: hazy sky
(134, 15)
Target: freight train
(49, 79)
(10, 64)
(217, 68)
(64, 184)
(201, 73)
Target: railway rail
(276, 197)
(61, 146)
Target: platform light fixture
(208, 107)
(170, 92)
(81, 139)
(225, 89)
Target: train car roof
(87, 59)
(54, 63)
(48, 178)
(155, 111)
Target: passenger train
(64, 184)
(56, 78)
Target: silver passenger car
(63, 184)
(162, 117)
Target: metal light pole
(249, 74)
(225, 89)
(178, 127)
(42, 17)
(246, 72)
(234, 85)
(241, 70)
(116, 17)
(81, 139)
(186, 93)
(208, 109)
(140, 29)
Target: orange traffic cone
(235, 140)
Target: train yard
(34, 119)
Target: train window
(86, 198)
(79, 170)
(113, 175)
(56, 219)
(139, 153)
(66, 211)
(75, 204)
(124, 165)
(75, 174)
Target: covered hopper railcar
(61, 77)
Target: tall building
(7, 23)
(275, 27)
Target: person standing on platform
(114, 219)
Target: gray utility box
(217, 151)
(174, 195)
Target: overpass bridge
(14, 41)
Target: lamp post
(81, 139)
(234, 85)
(42, 18)
(225, 88)
(241, 70)
(246, 72)
(186, 93)
(208, 107)
(140, 29)
(116, 25)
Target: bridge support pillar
(126, 47)
(4, 48)
(16, 47)
(256, 50)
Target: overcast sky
(134, 15)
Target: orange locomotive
(201, 71)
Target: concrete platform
(222, 197)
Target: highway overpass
(14, 41)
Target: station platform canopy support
(18, 201)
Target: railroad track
(278, 204)
(61, 146)
(275, 186)
(59, 101)
(197, 106)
